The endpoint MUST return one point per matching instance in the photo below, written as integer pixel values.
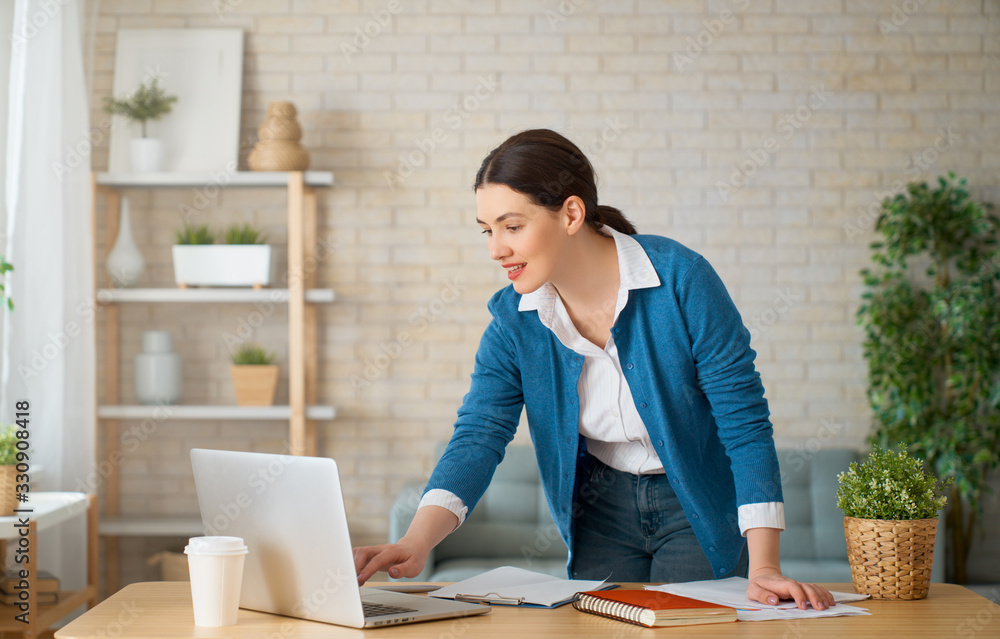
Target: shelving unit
(49, 510)
(301, 297)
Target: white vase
(158, 377)
(125, 263)
(146, 155)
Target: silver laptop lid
(290, 512)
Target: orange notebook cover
(652, 608)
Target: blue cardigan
(687, 358)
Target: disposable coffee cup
(216, 567)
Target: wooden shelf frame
(300, 296)
(42, 617)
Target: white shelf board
(198, 179)
(209, 295)
(135, 526)
(48, 509)
(241, 413)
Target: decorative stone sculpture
(278, 147)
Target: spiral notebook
(652, 609)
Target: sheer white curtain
(48, 343)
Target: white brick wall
(807, 111)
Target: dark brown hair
(548, 168)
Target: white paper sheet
(733, 592)
(506, 583)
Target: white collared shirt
(609, 420)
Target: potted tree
(255, 377)
(149, 102)
(243, 261)
(890, 506)
(933, 342)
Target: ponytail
(605, 215)
(548, 168)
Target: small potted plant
(245, 246)
(254, 376)
(242, 261)
(890, 506)
(9, 458)
(149, 102)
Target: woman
(648, 419)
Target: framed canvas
(204, 69)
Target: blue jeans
(632, 528)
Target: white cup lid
(215, 546)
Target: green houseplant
(244, 260)
(255, 377)
(244, 234)
(148, 102)
(9, 458)
(932, 342)
(5, 267)
(192, 235)
(890, 505)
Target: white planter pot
(222, 265)
(146, 155)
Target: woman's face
(523, 237)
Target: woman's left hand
(770, 586)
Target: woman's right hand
(403, 559)
(406, 558)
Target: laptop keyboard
(382, 610)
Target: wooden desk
(162, 610)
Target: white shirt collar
(634, 269)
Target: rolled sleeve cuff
(764, 515)
(449, 500)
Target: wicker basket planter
(891, 558)
(8, 496)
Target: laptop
(290, 512)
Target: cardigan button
(629, 366)
(642, 405)
(694, 515)
(711, 549)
